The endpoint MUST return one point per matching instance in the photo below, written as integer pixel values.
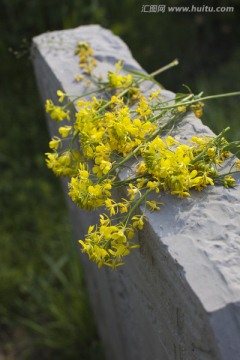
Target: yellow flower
(115, 100)
(211, 152)
(141, 168)
(48, 105)
(201, 181)
(54, 143)
(97, 171)
(133, 191)
(123, 205)
(153, 185)
(182, 108)
(65, 130)
(229, 181)
(119, 251)
(143, 107)
(134, 93)
(170, 141)
(154, 94)
(119, 66)
(141, 182)
(198, 113)
(105, 166)
(117, 81)
(238, 163)
(138, 221)
(153, 205)
(61, 95)
(78, 77)
(111, 205)
(56, 112)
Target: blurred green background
(44, 309)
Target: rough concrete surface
(178, 297)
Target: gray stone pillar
(178, 297)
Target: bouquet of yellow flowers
(107, 132)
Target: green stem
(149, 77)
(164, 68)
(82, 96)
(220, 95)
(136, 205)
(75, 135)
(196, 100)
(202, 153)
(130, 180)
(226, 174)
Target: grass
(44, 307)
(225, 112)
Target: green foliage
(44, 309)
(223, 112)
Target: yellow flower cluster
(105, 135)
(57, 113)
(119, 81)
(85, 193)
(107, 244)
(175, 168)
(86, 59)
(65, 163)
(197, 109)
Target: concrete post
(178, 297)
